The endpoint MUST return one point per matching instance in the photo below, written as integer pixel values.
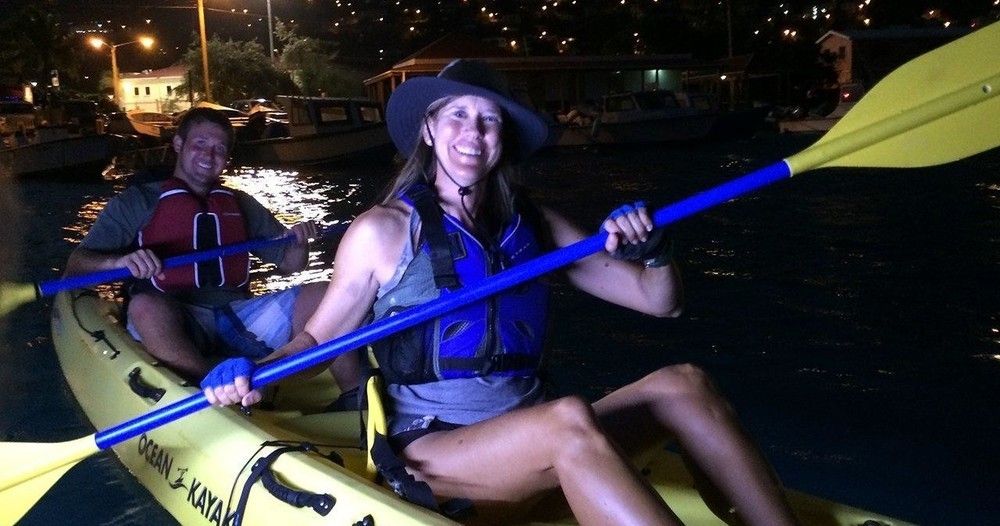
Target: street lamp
(98, 43)
(204, 50)
(270, 31)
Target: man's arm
(297, 252)
(143, 264)
(107, 245)
(261, 223)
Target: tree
(310, 63)
(32, 44)
(236, 69)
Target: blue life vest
(500, 335)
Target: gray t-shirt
(116, 231)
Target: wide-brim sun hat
(408, 104)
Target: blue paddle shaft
(325, 352)
(51, 288)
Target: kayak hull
(196, 467)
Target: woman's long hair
(497, 207)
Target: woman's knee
(572, 411)
(574, 429)
(686, 401)
(680, 380)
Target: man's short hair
(198, 115)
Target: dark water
(852, 317)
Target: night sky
(373, 35)
(174, 24)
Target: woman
(469, 416)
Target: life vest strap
(497, 363)
(442, 260)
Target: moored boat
(317, 130)
(198, 467)
(159, 126)
(60, 153)
(639, 118)
(849, 94)
(68, 138)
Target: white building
(154, 90)
(866, 56)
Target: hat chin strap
(463, 191)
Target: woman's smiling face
(466, 136)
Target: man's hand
(142, 263)
(304, 232)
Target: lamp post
(204, 49)
(270, 31)
(98, 43)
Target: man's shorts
(252, 328)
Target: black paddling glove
(656, 251)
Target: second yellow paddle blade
(30, 469)
(13, 295)
(937, 108)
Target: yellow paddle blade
(30, 469)
(939, 107)
(13, 295)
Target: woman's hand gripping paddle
(13, 295)
(939, 107)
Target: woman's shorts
(418, 428)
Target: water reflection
(88, 213)
(329, 199)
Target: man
(182, 314)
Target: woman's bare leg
(517, 456)
(680, 401)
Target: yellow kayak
(198, 467)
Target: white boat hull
(85, 154)
(313, 149)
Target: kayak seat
(344, 428)
(385, 466)
(375, 420)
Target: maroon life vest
(184, 222)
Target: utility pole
(729, 25)
(204, 49)
(270, 31)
